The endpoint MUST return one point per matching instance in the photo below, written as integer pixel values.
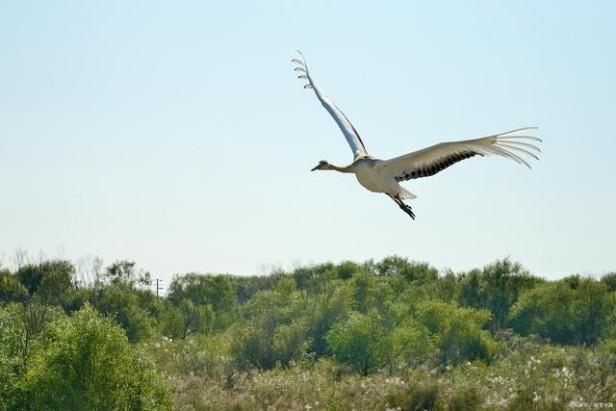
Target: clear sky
(175, 133)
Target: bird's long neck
(344, 169)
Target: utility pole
(158, 287)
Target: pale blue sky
(176, 134)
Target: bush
(274, 330)
(187, 319)
(410, 271)
(87, 363)
(411, 343)
(218, 291)
(421, 396)
(495, 288)
(11, 351)
(127, 306)
(331, 305)
(567, 311)
(457, 331)
(11, 290)
(198, 355)
(609, 280)
(50, 279)
(359, 342)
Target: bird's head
(323, 165)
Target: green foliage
(331, 305)
(187, 319)
(11, 352)
(570, 311)
(126, 272)
(200, 356)
(217, 291)
(11, 289)
(51, 281)
(410, 271)
(457, 331)
(247, 286)
(20, 329)
(131, 308)
(609, 280)
(412, 344)
(88, 364)
(390, 334)
(311, 277)
(345, 270)
(274, 330)
(360, 342)
(365, 290)
(495, 288)
(420, 396)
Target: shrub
(495, 288)
(274, 329)
(458, 331)
(87, 363)
(187, 319)
(420, 396)
(566, 311)
(50, 281)
(609, 280)
(411, 343)
(218, 291)
(11, 290)
(325, 309)
(11, 351)
(410, 271)
(359, 342)
(127, 306)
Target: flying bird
(384, 176)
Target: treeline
(62, 341)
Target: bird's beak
(315, 168)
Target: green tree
(11, 350)
(457, 331)
(218, 291)
(135, 310)
(495, 288)
(187, 319)
(50, 280)
(11, 290)
(410, 271)
(127, 272)
(412, 343)
(360, 342)
(573, 310)
(88, 364)
(274, 328)
(332, 304)
(311, 277)
(609, 280)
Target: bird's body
(370, 178)
(384, 176)
(373, 178)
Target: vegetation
(390, 334)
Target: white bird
(384, 176)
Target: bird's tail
(406, 195)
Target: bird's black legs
(404, 207)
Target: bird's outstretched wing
(351, 135)
(431, 160)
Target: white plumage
(384, 176)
